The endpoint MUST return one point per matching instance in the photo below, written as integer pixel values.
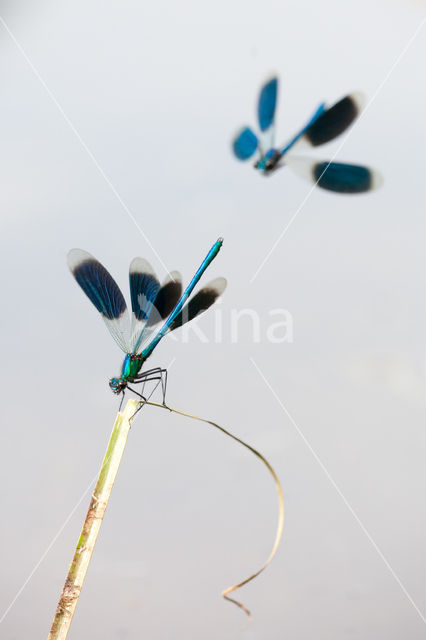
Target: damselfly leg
(153, 374)
(121, 401)
(158, 374)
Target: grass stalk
(92, 524)
(280, 524)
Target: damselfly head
(117, 385)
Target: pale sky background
(156, 91)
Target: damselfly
(152, 303)
(325, 124)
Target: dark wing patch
(267, 104)
(166, 300)
(103, 291)
(144, 288)
(99, 286)
(335, 176)
(244, 144)
(343, 178)
(334, 120)
(200, 302)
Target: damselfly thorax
(132, 364)
(269, 162)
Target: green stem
(92, 524)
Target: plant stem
(92, 524)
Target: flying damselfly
(325, 125)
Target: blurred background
(156, 91)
